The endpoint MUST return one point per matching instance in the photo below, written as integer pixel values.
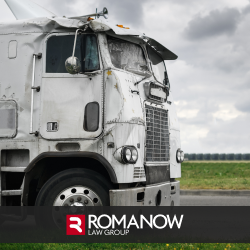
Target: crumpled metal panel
(104, 25)
(124, 124)
(163, 51)
(101, 24)
(40, 25)
(123, 134)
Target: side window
(59, 48)
(126, 55)
(91, 61)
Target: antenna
(103, 13)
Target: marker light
(121, 26)
(179, 156)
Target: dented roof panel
(104, 25)
(60, 24)
(40, 25)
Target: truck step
(12, 169)
(11, 192)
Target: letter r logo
(75, 225)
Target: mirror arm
(74, 48)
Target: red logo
(75, 225)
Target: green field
(172, 246)
(215, 175)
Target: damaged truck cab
(95, 127)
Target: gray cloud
(59, 7)
(246, 10)
(126, 12)
(243, 105)
(215, 23)
(229, 136)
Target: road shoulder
(213, 192)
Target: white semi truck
(87, 116)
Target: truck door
(71, 105)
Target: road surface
(188, 200)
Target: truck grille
(157, 140)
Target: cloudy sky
(210, 80)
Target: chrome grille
(157, 140)
(139, 172)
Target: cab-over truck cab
(95, 127)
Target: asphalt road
(188, 200)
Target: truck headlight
(129, 154)
(134, 154)
(179, 156)
(126, 155)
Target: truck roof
(63, 24)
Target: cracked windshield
(127, 56)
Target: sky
(210, 80)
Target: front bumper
(163, 194)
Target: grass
(131, 246)
(215, 175)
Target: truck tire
(75, 187)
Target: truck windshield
(59, 48)
(158, 64)
(126, 55)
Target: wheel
(75, 187)
(70, 188)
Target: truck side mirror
(73, 64)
